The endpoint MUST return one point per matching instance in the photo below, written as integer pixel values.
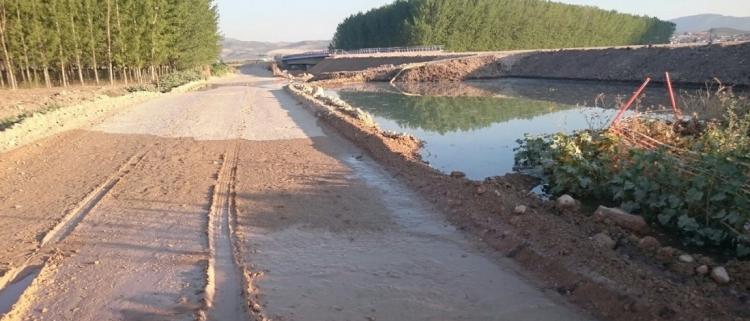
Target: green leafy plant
(577, 164)
(221, 69)
(700, 194)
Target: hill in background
(239, 50)
(704, 22)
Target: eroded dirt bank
(687, 65)
(624, 282)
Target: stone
(17, 206)
(702, 270)
(457, 174)
(566, 202)
(649, 244)
(481, 190)
(318, 92)
(720, 275)
(686, 269)
(603, 240)
(621, 218)
(520, 210)
(686, 258)
(665, 254)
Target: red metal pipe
(677, 111)
(630, 102)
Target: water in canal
(473, 127)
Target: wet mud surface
(164, 204)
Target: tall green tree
(132, 40)
(469, 25)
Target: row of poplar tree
(473, 25)
(59, 42)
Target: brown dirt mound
(477, 67)
(363, 63)
(729, 63)
(376, 74)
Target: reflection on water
(473, 127)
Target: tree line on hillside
(60, 42)
(467, 25)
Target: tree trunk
(47, 79)
(61, 54)
(93, 45)
(109, 42)
(8, 62)
(77, 49)
(24, 46)
(122, 44)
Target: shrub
(177, 79)
(142, 87)
(700, 194)
(221, 69)
(574, 164)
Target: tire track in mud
(19, 285)
(92, 200)
(226, 296)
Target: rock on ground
(604, 241)
(621, 218)
(720, 275)
(566, 202)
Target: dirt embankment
(625, 279)
(687, 65)
(475, 67)
(362, 63)
(61, 110)
(16, 103)
(364, 69)
(728, 63)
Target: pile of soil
(375, 74)
(475, 67)
(558, 246)
(362, 63)
(696, 65)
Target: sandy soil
(177, 208)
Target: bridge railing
(387, 50)
(364, 51)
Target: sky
(295, 20)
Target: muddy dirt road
(232, 203)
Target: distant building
(719, 35)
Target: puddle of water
(473, 127)
(12, 293)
